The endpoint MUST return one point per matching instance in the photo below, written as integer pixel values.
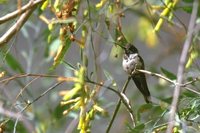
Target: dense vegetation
(61, 66)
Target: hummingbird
(132, 61)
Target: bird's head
(130, 49)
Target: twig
(117, 107)
(182, 66)
(172, 81)
(154, 127)
(44, 93)
(122, 96)
(194, 91)
(99, 84)
(192, 81)
(6, 37)
(15, 28)
(60, 78)
(23, 9)
(34, 75)
(21, 91)
(157, 75)
(126, 102)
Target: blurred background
(34, 48)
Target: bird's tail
(140, 82)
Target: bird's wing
(141, 83)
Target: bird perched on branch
(131, 62)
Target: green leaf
(168, 74)
(19, 128)
(58, 112)
(13, 63)
(115, 53)
(61, 53)
(142, 109)
(189, 94)
(118, 34)
(53, 47)
(187, 9)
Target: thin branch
(117, 107)
(172, 81)
(157, 75)
(23, 9)
(61, 78)
(36, 99)
(192, 81)
(122, 96)
(126, 102)
(194, 91)
(182, 66)
(8, 74)
(6, 80)
(154, 127)
(41, 95)
(99, 84)
(7, 36)
(22, 90)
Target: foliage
(68, 42)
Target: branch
(117, 107)
(126, 102)
(122, 96)
(182, 66)
(41, 95)
(172, 81)
(14, 14)
(156, 75)
(36, 99)
(22, 89)
(59, 78)
(62, 78)
(6, 37)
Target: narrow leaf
(168, 74)
(13, 63)
(61, 53)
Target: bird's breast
(131, 62)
